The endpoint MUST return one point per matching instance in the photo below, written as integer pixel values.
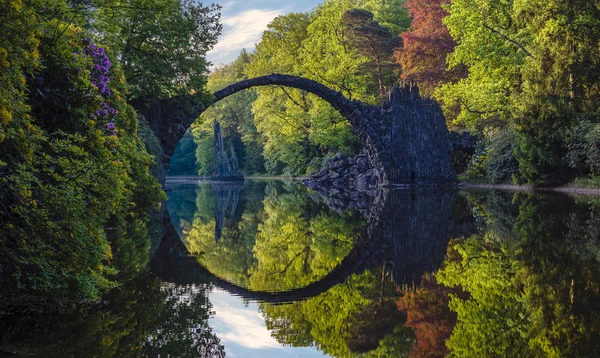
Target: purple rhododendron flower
(100, 78)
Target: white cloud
(242, 30)
(244, 327)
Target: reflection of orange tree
(429, 317)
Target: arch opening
(359, 115)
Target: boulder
(361, 182)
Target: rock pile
(344, 173)
(346, 182)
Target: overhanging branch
(508, 39)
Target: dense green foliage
(532, 66)
(77, 165)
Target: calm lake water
(271, 269)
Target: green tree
(530, 292)
(532, 64)
(281, 115)
(161, 45)
(376, 42)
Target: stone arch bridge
(406, 139)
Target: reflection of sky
(243, 332)
(244, 22)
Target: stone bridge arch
(359, 115)
(406, 140)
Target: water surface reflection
(268, 269)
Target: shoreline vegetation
(79, 166)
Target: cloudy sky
(242, 330)
(245, 20)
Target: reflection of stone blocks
(420, 224)
(227, 195)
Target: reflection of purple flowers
(100, 79)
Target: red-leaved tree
(426, 45)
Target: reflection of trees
(296, 242)
(137, 320)
(535, 294)
(277, 239)
(183, 329)
(348, 320)
(299, 242)
(181, 205)
(231, 256)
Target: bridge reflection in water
(404, 236)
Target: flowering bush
(100, 78)
(74, 173)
